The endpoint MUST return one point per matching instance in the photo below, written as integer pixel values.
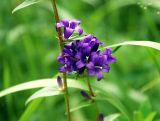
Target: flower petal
(61, 59)
(74, 24)
(91, 72)
(62, 69)
(106, 68)
(87, 38)
(99, 74)
(90, 65)
(80, 64)
(79, 30)
(65, 22)
(68, 32)
(59, 25)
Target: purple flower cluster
(81, 55)
(70, 26)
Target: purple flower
(98, 65)
(110, 58)
(84, 55)
(69, 60)
(70, 26)
(88, 45)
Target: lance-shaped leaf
(151, 116)
(55, 90)
(28, 85)
(138, 116)
(26, 3)
(30, 109)
(45, 92)
(112, 117)
(150, 44)
(41, 83)
(80, 106)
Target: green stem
(61, 42)
(93, 95)
(90, 87)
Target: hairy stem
(61, 42)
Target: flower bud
(85, 95)
(101, 117)
(59, 81)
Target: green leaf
(145, 108)
(150, 44)
(151, 116)
(83, 105)
(45, 92)
(30, 110)
(42, 83)
(112, 117)
(151, 84)
(138, 116)
(26, 3)
(115, 102)
(28, 85)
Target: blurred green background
(29, 48)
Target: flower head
(70, 26)
(84, 54)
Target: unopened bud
(101, 117)
(85, 94)
(59, 81)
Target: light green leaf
(112, 117)
(151, 116)
(41, 83)
(26, 3)
(28, 85)
(150, 44)
(45, 92)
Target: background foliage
(29, 48)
